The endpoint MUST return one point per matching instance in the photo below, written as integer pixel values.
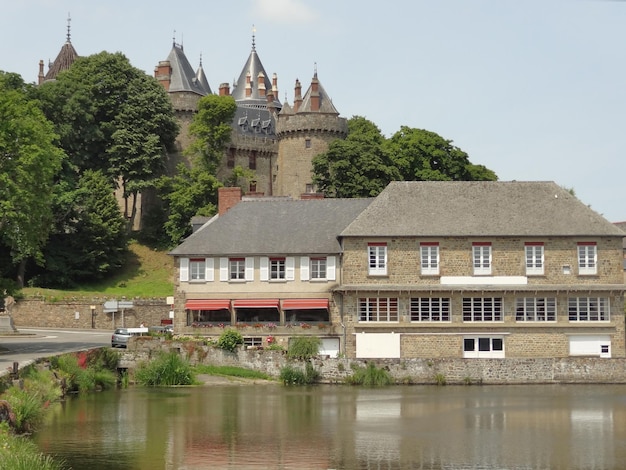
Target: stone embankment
(571, 370)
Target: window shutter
(290, 268)
(223, 269)
(330, 268)
(265, 268)
(209, 269)
(304, 268)
(249, 269)
(184, 269)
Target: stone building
(424, 270)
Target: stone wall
(582, 370)
(78, 314)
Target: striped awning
(304, 304)
(207, 304)
(256, 303)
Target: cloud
(284, 11)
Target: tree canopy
(365, 162)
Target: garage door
(599, 346)
(377, 345)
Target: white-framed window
(236, 269)
(588, 309)
(535, 309)
(253, 341)
(483, 346)
(430, 309)
(318, 268)
(587, 258)
(429, 256)
(534, 258)
(377, 259)
(277, 269)
(378, 309)
(481, 258)
(482, 309)
(197, 269)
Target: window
(307, 143)
(535, 309)
(253, 342)
(318, 268)
(277, 268)
(230, 161)
(377, 255)
(378, 309)
(481, 255)
(429, 254)
(197, 269)
(252, 186)
(587, 258)
(534, 259)
(482, 309)
(252, 160)
(430, 309)
(237, 268)
(483, 346)
(309, 188)
(588, 309)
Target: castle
(275, 140)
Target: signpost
(112, 306)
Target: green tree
(211, 129)
(89, 239)
(112, 117)
(421, 155)
(29, 163)
(358, 166)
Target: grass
(166, 369)
(148, 273)
(231, 371)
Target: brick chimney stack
(227, 198)
(163, 74)
(315, 93)
(224, 89)
(41, 74)
(248, 86)
(275, 85)
(297, 101)
(261, 84)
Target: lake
(342, 427)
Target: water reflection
(267, 426)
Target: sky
(534, 90)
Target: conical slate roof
(183, 77)
(202, 80)
(326, 105)
(251, 69)
(66, 57)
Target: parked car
(162, 329)
(121, 335)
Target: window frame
(377, 254)
(430, 309)
(277, 269)
(534, 258)
(429, 258)
(236, 269)
(482, 258)
(318, 273)
(536, 309)
(587, 258)
(583, 309)
(378, 310)
(483, 309)
(197, 269)
(484, 346)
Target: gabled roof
(183, 77)
(274, 227)
(478, 209)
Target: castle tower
(66, 57)
(303, 132)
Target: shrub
(229, 340)
(303, 347)
(370, 376)
(19, 453)
(28, 409)
(166, 369)
(293, 376)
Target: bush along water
(229, 340)
(370, 376)
(166, 369)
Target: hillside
(148, 273)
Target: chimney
(261, 84)
(41, 74)
(227, 198)
(297, 101)
(275, 85)
(163, 74)
(224, 89)
(315, 93)
(270, 102)
(248, 86)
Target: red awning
(256, 303)
(207, 304)
(304, 304)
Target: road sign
(124, 304)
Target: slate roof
(183, 76)
(326, 104)
(274, 227)
(66, 57)
(253, 66)
(478, 209)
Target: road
(32, 344)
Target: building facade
(424, 270)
